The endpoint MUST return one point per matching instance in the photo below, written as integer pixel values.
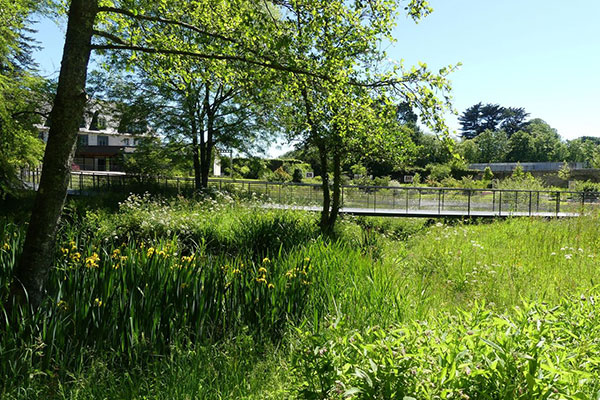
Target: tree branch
(143, 17)
(16, 114)
(109, 36)
(267, 64)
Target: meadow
(215, 297)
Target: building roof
(527, 166)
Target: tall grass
(501, 263)
(215, 299)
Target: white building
(101, 146)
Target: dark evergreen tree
(492, 116)
(471, 122)
(514, 120)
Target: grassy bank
(212, 298)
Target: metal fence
(374, 200)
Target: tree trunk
(337, 184)
(325, 186)
(196, 159)
(206, 143)
(205, 167)
(34, 265)
(210, 131)
(203, 178)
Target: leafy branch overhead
(323, 40)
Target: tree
(522, 147)
(564, 172)
(492, 116)
(21, 95)
(479, 118)
(488, 175)
(469, 149)
(150, 159)
(110, 23)
(340, 116)
(31, 273)
(513, 120)
(242, 33)
(470, 121)
(493, 146)
(537, 142)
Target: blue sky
(543, 55)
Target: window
(136, 142)
(126, 142)
(102, 140)
(83, 140)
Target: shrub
(298, 175)
(280, 175)
(488, 175)
(438, 172)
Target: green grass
(501, 263)
(219, 298)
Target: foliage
(416, 178)
(474, 354)
(21, 96)
(488, 175)
(433, 290)
(479, 118)
(281, 175)
(538, 142)
(564, 172)
(438, 172)
(297, 175)
(150, 158)
(493, 146)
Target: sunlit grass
(217, 299)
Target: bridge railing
(384, 199)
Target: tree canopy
(481, 117)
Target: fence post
(493, 201)
(516, 201)
(279, 194)
(374, 200)
(582, 201)
(530, 194)
(443, 198)
(342, 195)
(469, 203)
(557, 203)
(80, 183)
(440, 201)
(420, 195)
(500, 204)
(407, 194)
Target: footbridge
(388, 201)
